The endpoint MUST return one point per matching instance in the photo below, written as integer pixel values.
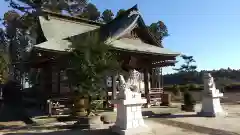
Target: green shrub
(96, 104)
(184, 88)
(168, 87)
(188, 99)
(192, 86)
(176, 90)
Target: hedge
(198, 87)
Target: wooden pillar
(154, 78)
(46, 84)
(146, 86)
(55, 81)
(47, 80)
(161, 78)
(114, 91)
(59, 81)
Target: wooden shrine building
(128, 34)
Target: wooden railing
(155, 96)
(156, 90)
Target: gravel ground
(177, 124)
(228, 123)
(156, 129)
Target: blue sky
(206, 29)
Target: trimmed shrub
(176, 90)
(188, 99)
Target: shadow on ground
(70, 132)
(41, 127)
(194, 128)
(174, 115)
(18, 113)
(151, 114)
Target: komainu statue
(133, 80)
(209, 85)
(129, 89)
(211, 105)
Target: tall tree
(107, 15)
(17, 40)
(19, 29)
(91, 12)
(3, 39)
(90, 61)
(188, 64)
(187, 69)
(3, 68)
(159, 29)
(71, 6)
(3, 56)
(120, 12)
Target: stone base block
(188, 108)
(87, 126)
(147, 105)
(93, 122)
(133, 131)
(212, 114)
(114, 109)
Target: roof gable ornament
(134, 12)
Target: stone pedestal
(114, 108)
(89, 122)
(129, 117)
(166, 99)
(211, 106)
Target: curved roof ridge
(73, 18)
(143, 33)
(140, 22)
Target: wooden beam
(162, 65)
(165, 61)
(146, 56)
(149, 64)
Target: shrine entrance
(129, 37)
